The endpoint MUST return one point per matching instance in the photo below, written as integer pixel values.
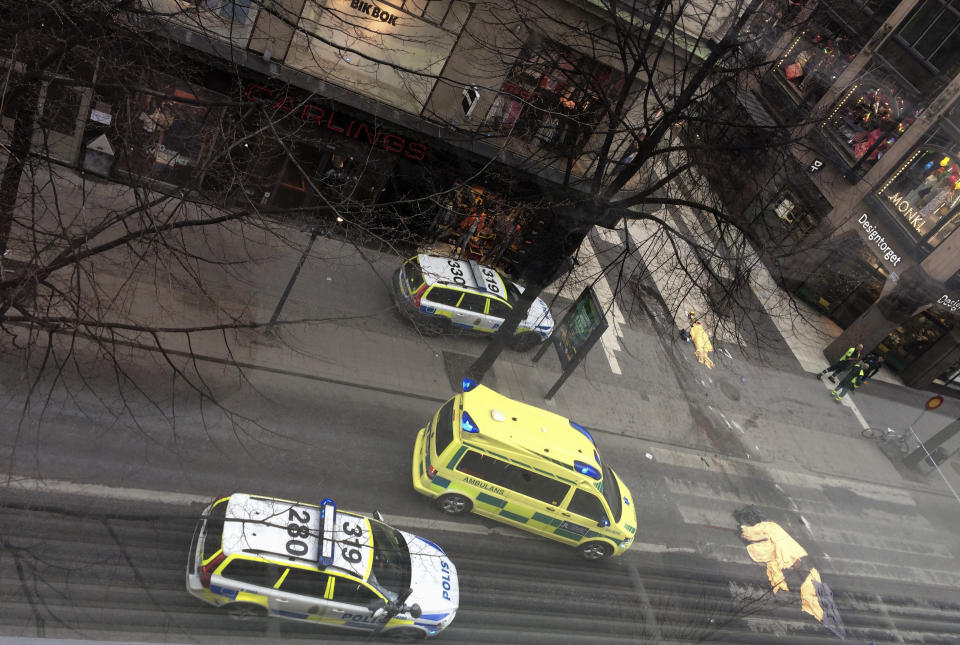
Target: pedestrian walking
(849, 382)
(874, 363)
(849, 357)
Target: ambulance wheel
(405, 634)
(596, 550)
(244, 611)
(525, 341)
(453, 504)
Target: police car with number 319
(257, 556)
(445, 293)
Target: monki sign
(328, 119)
(909, 212)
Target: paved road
(889, 559)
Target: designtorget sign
(874, 236)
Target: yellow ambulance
(526, 467)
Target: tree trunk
(19, 150)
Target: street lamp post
(314, 232)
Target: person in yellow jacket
(700, 339)
(849, 357)
(849, 382)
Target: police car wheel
(596, 550)
(405, 634)
(453, 504)
(525, 341)
(244, 611)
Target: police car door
(349, 604)
(470, 312)
(301, 595)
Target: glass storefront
(168, 133)
(924, 191)
(553, 97)
(847, 283)
(816, 57)
(870, 116)
(910, 340)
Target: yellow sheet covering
(774, 546)
(701, 343)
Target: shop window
(784, 210)
(553, 97)
(924, 192)
(846, 284)
(933, 31)
(954, 281)
(869, 118)
(816, 58)
(909, 341)
(236, 11)
(61, 106)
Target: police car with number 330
(257, 556)
(445, 293)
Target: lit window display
(553, 97)
(815, 59)
(925, 191)
(869, 117)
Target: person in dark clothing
(849, 381)
(874, 363)
(849, 357)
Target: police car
(257, 556)
(439, 293)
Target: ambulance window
(305, 583)
(352, 593)
(252, 572)
(444, 427)
(498, 308)
(473, 302)
(515, 478)
(411, 270)
(443, 296)
(587, 505)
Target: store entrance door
(294, 189)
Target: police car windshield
(391, 560)
(611, 493)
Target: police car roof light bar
(328, 523)
(475, 270)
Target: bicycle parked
(889, 435)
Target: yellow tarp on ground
(808, 596)
(701, 343)
(774, 546)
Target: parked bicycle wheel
(873, 433)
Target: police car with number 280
(257, 556)
(439, 293)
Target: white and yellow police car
(439, 293)
(258, 556)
